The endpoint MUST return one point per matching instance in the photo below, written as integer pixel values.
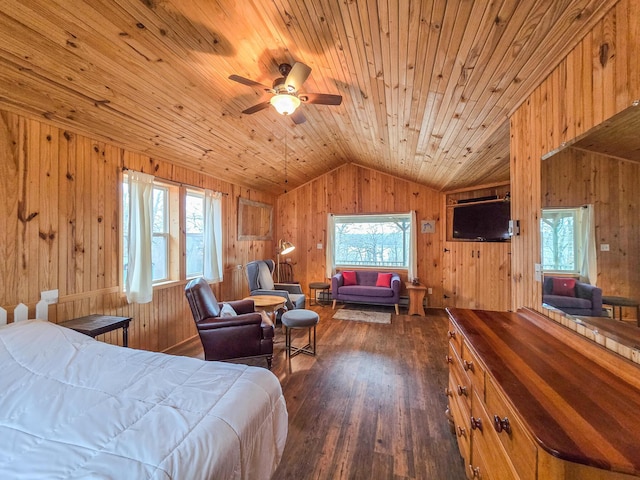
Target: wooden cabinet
(477, 275)
(522, 399)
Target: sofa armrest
(213, 323)
(396, 283)
(336, 281)
(240, 306)
(585, 290)
(288, 287)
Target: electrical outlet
(429, 291)
(319, 246)
(604, 247)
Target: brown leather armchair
(249, 334)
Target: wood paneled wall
(599, 78)
(302, 218)
(60, 229)
(576, 177)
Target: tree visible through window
(559, 234)
(372, 240)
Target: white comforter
(73, 407)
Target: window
(372, 240)
(559, 230)
(178, 231)
(161, 234)
(161, 240)
(194, 228)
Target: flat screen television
(485, 222)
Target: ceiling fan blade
(297, 76)
(247, 81)
(321, 98)
(256, 108)
(298, 117)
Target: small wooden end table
(268, 304)
(416, 297)
(622, 302)
(323, 287)
(94, 325)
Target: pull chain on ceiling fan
(286, 95)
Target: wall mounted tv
(484, 222)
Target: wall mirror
(255, 220)
(602, 168)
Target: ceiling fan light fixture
(284, 103)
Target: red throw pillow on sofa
(349, 278)
(564, 286)
(384, 280)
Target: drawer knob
(448, 358)
(475, 471)
(462, 390)
(468, 365)
(476, 423)
(501, 425)
(451, 334)
(462, 432)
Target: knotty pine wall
(302, 218)
(599, 78)
(575, 177)
(60, 229)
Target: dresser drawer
(511, 433)
(459, 383)
(462, 429)
(454, 336)
(473, 368)
(486, 449)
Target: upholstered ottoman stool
(300, 318)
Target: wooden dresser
(530, 399)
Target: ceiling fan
(286, 96)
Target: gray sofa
(586, 299)
(366, 291)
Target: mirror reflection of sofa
(572, 297)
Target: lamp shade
(284, 103)
(285, 247)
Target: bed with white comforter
(74, 407)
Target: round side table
(313, 290)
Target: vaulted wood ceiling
(427, 85)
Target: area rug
(362, 316)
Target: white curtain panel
(139, 273)
(413, 248)
(587, 256)
(330, 260)
(213, 236)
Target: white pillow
(265, 280)
(227, 311)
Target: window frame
(193, 192)
(577, 241)
(174, 233)
(380, 218)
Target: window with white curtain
(166, 239)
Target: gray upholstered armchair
(260, 278)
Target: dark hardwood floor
(370, 405)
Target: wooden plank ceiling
(427, 85)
